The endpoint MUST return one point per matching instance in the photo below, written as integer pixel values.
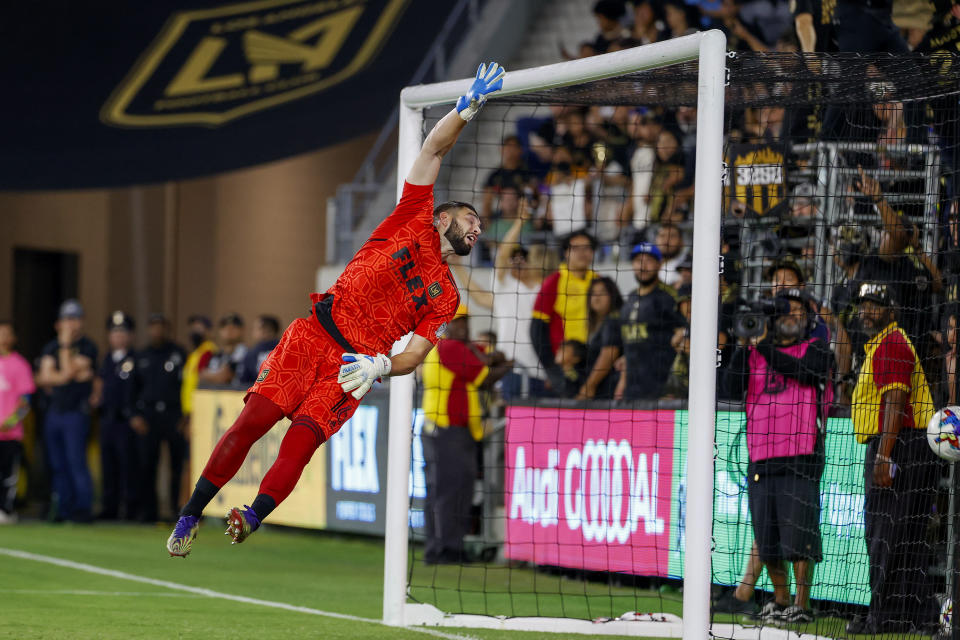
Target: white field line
(209, 593)
(86, 592)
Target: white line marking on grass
(84, 592)
(89, 568)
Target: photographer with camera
(783, 370)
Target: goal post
(709, 50)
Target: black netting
(839, 199)
(781, 79)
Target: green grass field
(118, 592)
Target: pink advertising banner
(589, 489)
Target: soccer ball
(943, 433)
(946, 614)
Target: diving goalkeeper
(396, 283)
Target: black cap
(202, 319)
(120, 320)
(610, 9)
(70, 309)
(232, 318)
(156, 318)
(794, 294)
(875, 292)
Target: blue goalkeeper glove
(489, 80)
(361, 371)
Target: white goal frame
(709, 48)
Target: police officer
(113, 394)
(157, 413)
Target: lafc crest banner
(112, 93)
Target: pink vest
(782, 413)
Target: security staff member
(157, 413)
(113, 393)
(890, 410)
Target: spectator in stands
(266, 336)
(647, 25)
(785, 274)
(518, 275)
(560, 311)
(609, 181)
(669, 241)
(785, 376)
(668, 174)
(572, 360)
(644, 127)
(509, 208)
(157, 416)
(799, 217)
(814, 26)
(224, 364)
(767, 20)
(608, 125)
(113, 394)
(608, 14)
(842, 317)
(911, 275)
(16, 385)
(452, 374)
(891, 408)
(647, 322)
(882, 37)
(677, 384)
(604, 344)
(578, 140)
(66, 373)
(537, 135)
(568, 207)
(512, 172)
(686, 131)
(684, 285)
(681, 18)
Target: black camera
(751, 319)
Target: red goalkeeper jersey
(397, 282)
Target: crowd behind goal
(841, 212)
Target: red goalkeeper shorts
(300, 377)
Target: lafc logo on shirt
(434, 290)
(414, 284)
(263, 375)
(210, 66)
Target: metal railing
(832, 177)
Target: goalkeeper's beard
(457, 238)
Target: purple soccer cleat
(184, 533)
(241, 523)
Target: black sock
(203, 493)
(263, 505)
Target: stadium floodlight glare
(709, 50)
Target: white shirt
(513, 309)
(668, 270)
(608, 203)
(566, 206)
(641, 168)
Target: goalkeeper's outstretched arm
(444, 134)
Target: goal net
(610, 480)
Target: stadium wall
(247, 241)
